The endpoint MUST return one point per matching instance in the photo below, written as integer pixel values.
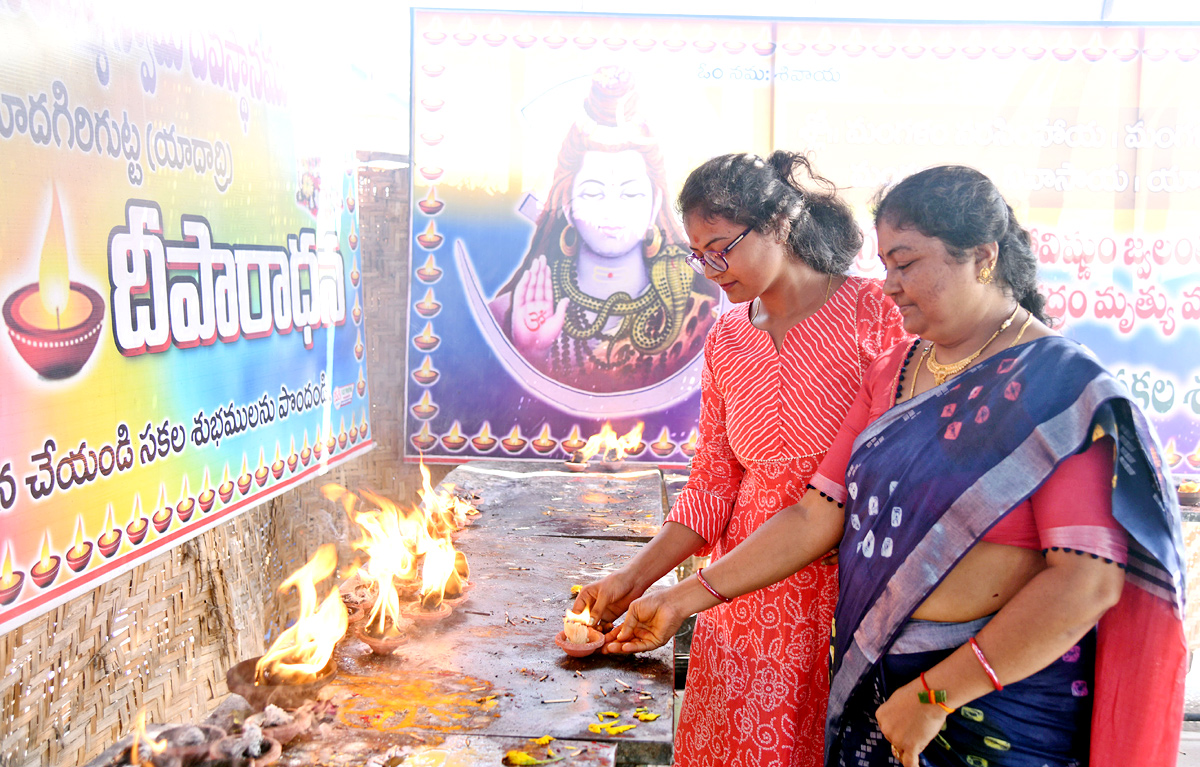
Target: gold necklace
(1021, 332)
(942, 372)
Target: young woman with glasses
(781, 370)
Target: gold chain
(1021, 332)
(942, 372)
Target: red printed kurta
(758, 678)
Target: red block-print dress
(758, 679)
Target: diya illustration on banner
(603, 300)
(54, 323)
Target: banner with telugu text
(549, 293)
(182, 301)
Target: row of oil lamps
(543, 444)
(1032, 47)
(46, 570)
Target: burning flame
(611, 447)
(262, 458)
(140, 738)
(306, 439)
(77, 549)
(245, 465)
(428, 300)
(426, 367)
(136, 516)
(431, 230)
(6, 574)
(304, 648)
(544, 436)
(205, 482)
(162, 498)
(45, 563)
(54, 282)
(427, 333)
(109, 520)
(225, 476)
(430, 265)
(183, 491)
(575, 626)
(485, 432)
(1171, 456)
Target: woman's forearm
(1037, 626)
(791, 539)
(673, 544)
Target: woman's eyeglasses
(715, 258)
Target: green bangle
(939, 696)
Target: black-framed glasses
(715, 258)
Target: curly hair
(963, 208)
(782, 195)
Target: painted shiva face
(613, 202)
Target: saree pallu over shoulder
(931, 476)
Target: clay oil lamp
(251, 747)
(454, 440)
(353, 433)
(207, 496)
(161, 518)
(318, 447)
(733, 46)
(704, 46)
(432, 172)
(544, 443)
(358, 347)
(585, 40)
(434, 35)
(495, 35)
(428, 306)
(484, 441)
(663, 446)
(674, 44)
(432, 139)
(306, 451)
(1193, 458)
(1126, 49)
(293, 459)
(190, 744)
(354, 273)
(350, 203)
(1064, 49)
(263, 472)
(424, 409)
(54, 323)
(573, 441)
(424, 440)
(110, 540)
(464, 36)
(429, 273)
(643, 42)
(427, 341)
(439, 582)
(433, 70)
(764, 47)
(45, 570)
(331, 442)
(361, 386)
(425, 374)
(578, 639)
(577, 462)
(186, 505)
(884, 48)
(81, 552)
(614, 41)
(1170, 455)
(555, 39)
(514, 442)
(688, 448)
(524, 39)
(279, 725)
(356, 312)
(1034, 49)
(245, 480)
(342, 437)
(794, 45)
(854, 46)
(362, 427)
(974, 47)
(300, 660)
(11, 581)
(824, 44)
(431, 205)
(429, 239)
(225, 489)
(1095, 50)
(385, 629)
(138, 525)
(352, 241)
(277, 466)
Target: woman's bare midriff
(987, 577)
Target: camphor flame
(141, 739)
(303, 649)
(77, 549)
(575, 626)
(45, 563)
(54, 282)
(611, 447)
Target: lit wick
(262, 472)
(454, 440)
(425, 409)
(161, 518)
(424, 439)
(46, 569)
(544, 442)
(245, 479)
(428, 306)
(186, 505)
(425, 375)
(138, 525)
(79, 554)
(430, 272)
(278, 465)
(513, 443)
(10, 581)
(110, 541)
(663, 446)
(484, 441)
(207, 496)
(225, 489)
(427, 341)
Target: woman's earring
(568, 241)
(652, 242)
(985, 275)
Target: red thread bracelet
(710, 589)
(987, 667)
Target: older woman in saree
(1011, 570)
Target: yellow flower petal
(646, 716)
(544, 740)
(620, 729)
(520, 758)
(613, 714)
(576, 589)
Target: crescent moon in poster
(667, 392)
